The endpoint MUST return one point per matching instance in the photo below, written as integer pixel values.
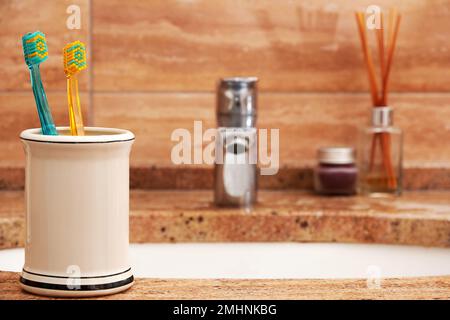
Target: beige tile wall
(153, 66)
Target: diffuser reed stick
(389, 59)
(367, 57)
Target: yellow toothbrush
(74, 61)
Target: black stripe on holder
(66, 277)
(85, 287)
(78, 142)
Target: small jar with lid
(336, 172)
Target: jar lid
(336, 155)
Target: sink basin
(274, 260)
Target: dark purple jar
(336, 172)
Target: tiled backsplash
(153, 66)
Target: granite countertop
(416, 218)
(202, 289)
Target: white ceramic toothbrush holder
(77, 212)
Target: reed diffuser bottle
(380, 145)
(380, 155)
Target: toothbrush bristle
(74, 57)
(35, 48)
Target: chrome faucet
(236, 143)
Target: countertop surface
(416, 218)
(406, 288)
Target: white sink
(274, 260)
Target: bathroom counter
(407, 288)
(416, 218)
(419, 218)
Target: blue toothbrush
(35, 52)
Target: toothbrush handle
(75, 114)
(45, 116)
(72, 121)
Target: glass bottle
(380, 155)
